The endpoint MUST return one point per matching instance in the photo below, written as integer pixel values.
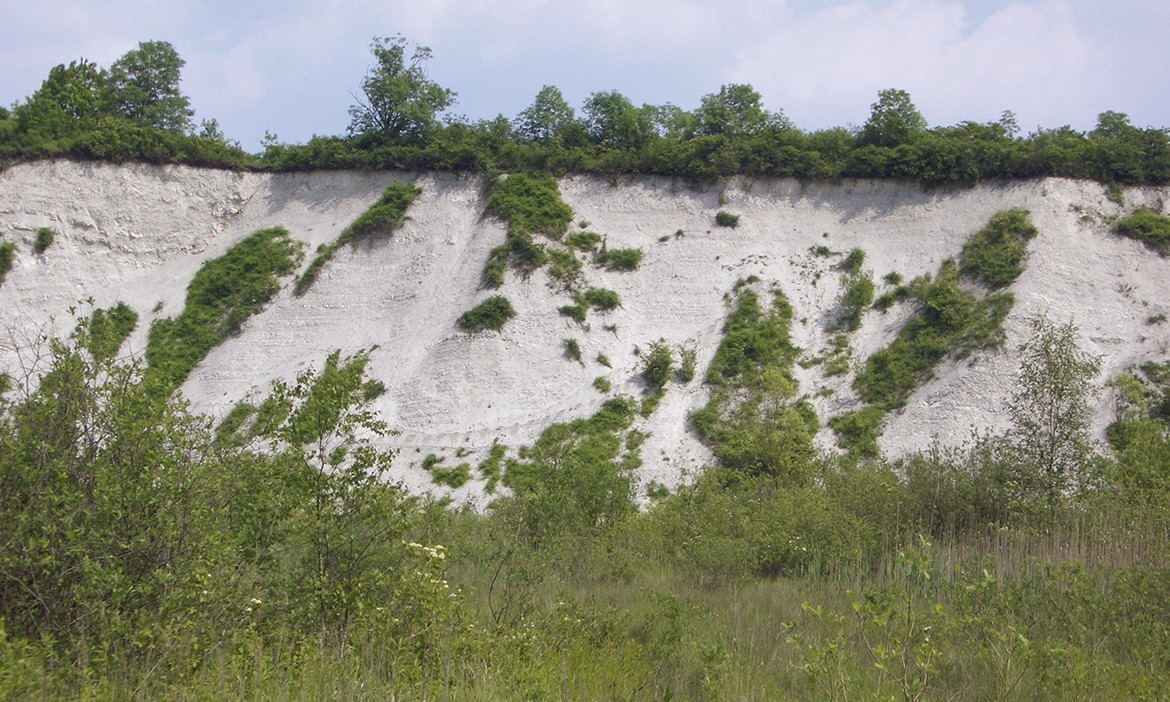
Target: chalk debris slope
(138, 233)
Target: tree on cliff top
(397, 101)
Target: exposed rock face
(138, 233)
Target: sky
(291, 68)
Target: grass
(493, 313)
(572, 350)
(224, 293)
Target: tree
(1050, 412)
(71, 96)
(144, 86)
(893, 120)
(736, 110)
(546, 117)
(613, 121)
(398, 101)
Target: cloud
(1028, 57)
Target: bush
(1147, 226)
(583, 241)
(658, 363)
(381, 219)
(530, 203)
(572, 350)
(602, 384)
(852, 261)
(726, 219)
(623, 260)
(224, 293)
(493, 313)
(858, 432)
(44, 239)
(995, 255)
(107, 330)
(7, 256)
(601, 300)
(858, 295)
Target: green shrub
(688, 364)
(384, 216)
(490, 467)
(858, 295)
(726, 219)
(1147, 226)
(493, 313)
(583, 241)
(656, 369)
(995, 255)
(951, 320)
(852, 261)
(381, 219)
(44, 239)
(604, 360)
(576, 311)
(372, 390)
(623, 260)
(564, 268)
(602, 384)
(107, 330)
(858, 431)
(530, 203)
(7, 256)
(572, 350)
(601, 300)
(223, 294)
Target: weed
(602, 384)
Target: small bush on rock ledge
(492, 313)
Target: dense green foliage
(146, 556)
(531, 204)
(380, 220)
(726, 219)
(107, 330)
(398, 101)
(751, 421)
(222, 295)
(493, 313)
(134, 111)
(1146, 226)
(995, 255)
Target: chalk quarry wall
(138, 233)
